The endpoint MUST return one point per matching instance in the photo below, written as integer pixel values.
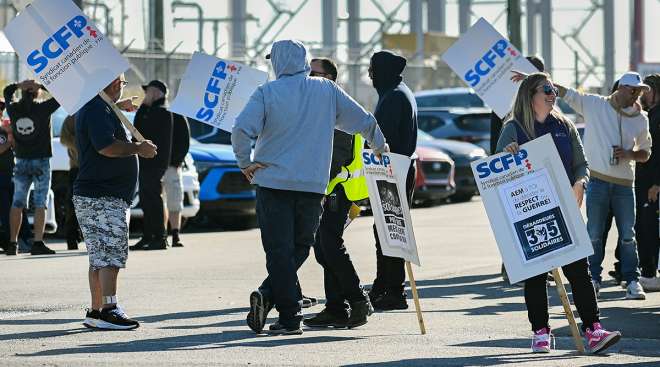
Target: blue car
(225, 194)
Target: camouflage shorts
(104, 225)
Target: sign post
(386, 181)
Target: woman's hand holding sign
(512, 148)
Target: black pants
(340, 279)
(584, 296)
(390, 271)
(6, 197)
(71, 222)
(288, 221)
(151, 200)
(646, 232)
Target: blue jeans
(288, 221)
(601, 196)
(28, 172)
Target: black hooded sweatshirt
(155, 124)
(396, 110)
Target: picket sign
(483, 59)
(65, 51)
(214, 91)
(533, 213)
(386, 180)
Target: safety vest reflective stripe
(350, 177)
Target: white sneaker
(635, 291)
(596, 287)
(650, 284)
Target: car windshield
(480, 122)
(465, 100)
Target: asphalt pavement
(192, 304)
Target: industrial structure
(417, 28)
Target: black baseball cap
(156, 84)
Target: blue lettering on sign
(212, 94)
(371, 159)
(501, 164)
(56, 44)
(486, 63)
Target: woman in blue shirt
(534, 115)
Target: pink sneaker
(541, 341)
(600, 339)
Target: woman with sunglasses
(534, 115)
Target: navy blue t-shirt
(560, 135)
(97, 127)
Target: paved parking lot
(192, 304)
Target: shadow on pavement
(218, 340)
(192, 314)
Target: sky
(307, 26)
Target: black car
(462, 154)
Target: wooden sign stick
(136, 134)
(418, 308)
(567, 309)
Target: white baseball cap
(632, 79)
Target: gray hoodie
(293, 120)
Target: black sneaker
(390, 301)
(11, 249)
(176, 242)
(260, 306)
(114, 318)
(279, 329)
(327, 319)
(40, 248)
(359, 312)
(308, 302)
(160, 244)
(142, 244)
(92, 318)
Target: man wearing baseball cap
(616, 137)
(155, 122)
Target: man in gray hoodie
(293, 120)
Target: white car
(59, 166)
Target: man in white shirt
(616, 136)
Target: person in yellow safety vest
(347, 304)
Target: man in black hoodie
(396, 113)
(155, 122)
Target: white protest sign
(214, 91)
(532, 209)
(386, 181)
(483, 59)
(65, 51)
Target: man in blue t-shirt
(102, 195)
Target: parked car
(435, 176)
(449, 98)
(59, 166)
(51, 222)
(226, 196)
(467, 125)
(462, 154)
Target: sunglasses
(123, 83)
(315, 73)
(550, 90)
